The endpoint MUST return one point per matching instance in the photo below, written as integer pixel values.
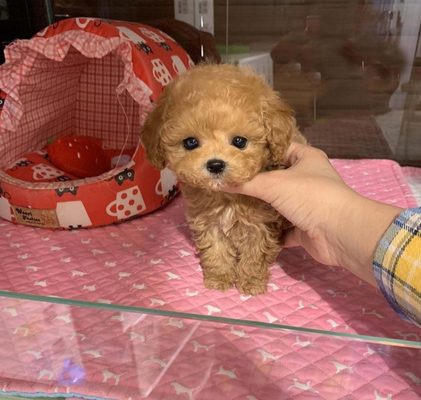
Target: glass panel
(129, 322)
(4, 10)
(56, 349)
(150, 262)
(350, 69)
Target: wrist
(363, 224)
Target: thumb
(263, 186)
(292, 238)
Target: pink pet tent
(83, 77)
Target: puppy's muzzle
(215, 166)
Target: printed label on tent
(41, 218)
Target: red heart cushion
(81, 156)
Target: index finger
(297, 151)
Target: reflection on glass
(63, 350)
(4, 11)
(348, 68)
(351, 70)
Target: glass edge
(212, 318)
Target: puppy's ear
(151, 134)
(281, 127)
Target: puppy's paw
(252, 286)
(219, 282)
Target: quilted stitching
(131, 356)
(152, 262)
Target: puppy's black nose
(215, 166)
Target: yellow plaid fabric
(397, 264)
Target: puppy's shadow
(362, 307)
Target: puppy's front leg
(256, 253)
(218, 258)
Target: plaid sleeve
(397, 264)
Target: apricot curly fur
(238, 237)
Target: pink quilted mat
(151, 262)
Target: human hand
(334, 224)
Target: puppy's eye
(190, 143)
(239, 142)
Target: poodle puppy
(216, 126)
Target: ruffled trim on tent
(19, 62)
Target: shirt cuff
(397, 264)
